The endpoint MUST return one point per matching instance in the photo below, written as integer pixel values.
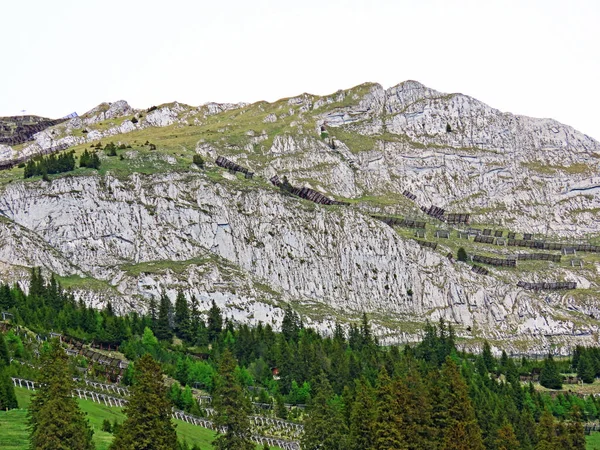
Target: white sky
(538, 58)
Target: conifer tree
(55, 420)
(506, 438)
(546, 432)
(585, 368)
(182, 317)
(325, 427)
(415, 408)
(163, 323)
(148, 424)
(363, 417)
(575, 429)
(388, 434)
(8, 400)
(215, 322)
(4, 354)
(550, 376)
(231, 408)
(462, 431)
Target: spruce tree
(506, 438)
(575, 429)
(231, 408)
(585, 368)
(462, 431)
(4, 354)
(550, 377)
(163, 324)
(55, 420)
(363, 417)
(388, 434)
(215, 322)
(182, 317)
(8, 400)
(148, 424)
(325, 427)
(546, 432)
(415, 408)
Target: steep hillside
(150, 220)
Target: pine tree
(325, 427)
(148, 424)
(462, 431)
(363, 417)
(55, 420)
(231, 408)
(550, 376)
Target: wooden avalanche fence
(539, 257)
(480, 270)
(495, 261)
(293, 429)
(307, 193)
(396, 221)
(233, 167)
(547, 286)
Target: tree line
(359, 394)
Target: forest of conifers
(358, 394)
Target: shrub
(448, 128)
(461, 255)
(134, 120)
(106, 426)
(199, 161)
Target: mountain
(150, 220)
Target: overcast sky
(538, 58)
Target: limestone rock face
(340, 259)
(250, 248)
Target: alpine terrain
(431, 206)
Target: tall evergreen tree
(163, 323)
(462, 431)
(363, 417)
(388, 434)
(550, 377)
(546, 432)
(55, 420)
(231, 408)
(325, 427)
(506, 438)
(215, 322)
(8, 400)
(585, 367)
(182, 317)
(148, 424)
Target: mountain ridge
(365, 145)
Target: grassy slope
(14, 433)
